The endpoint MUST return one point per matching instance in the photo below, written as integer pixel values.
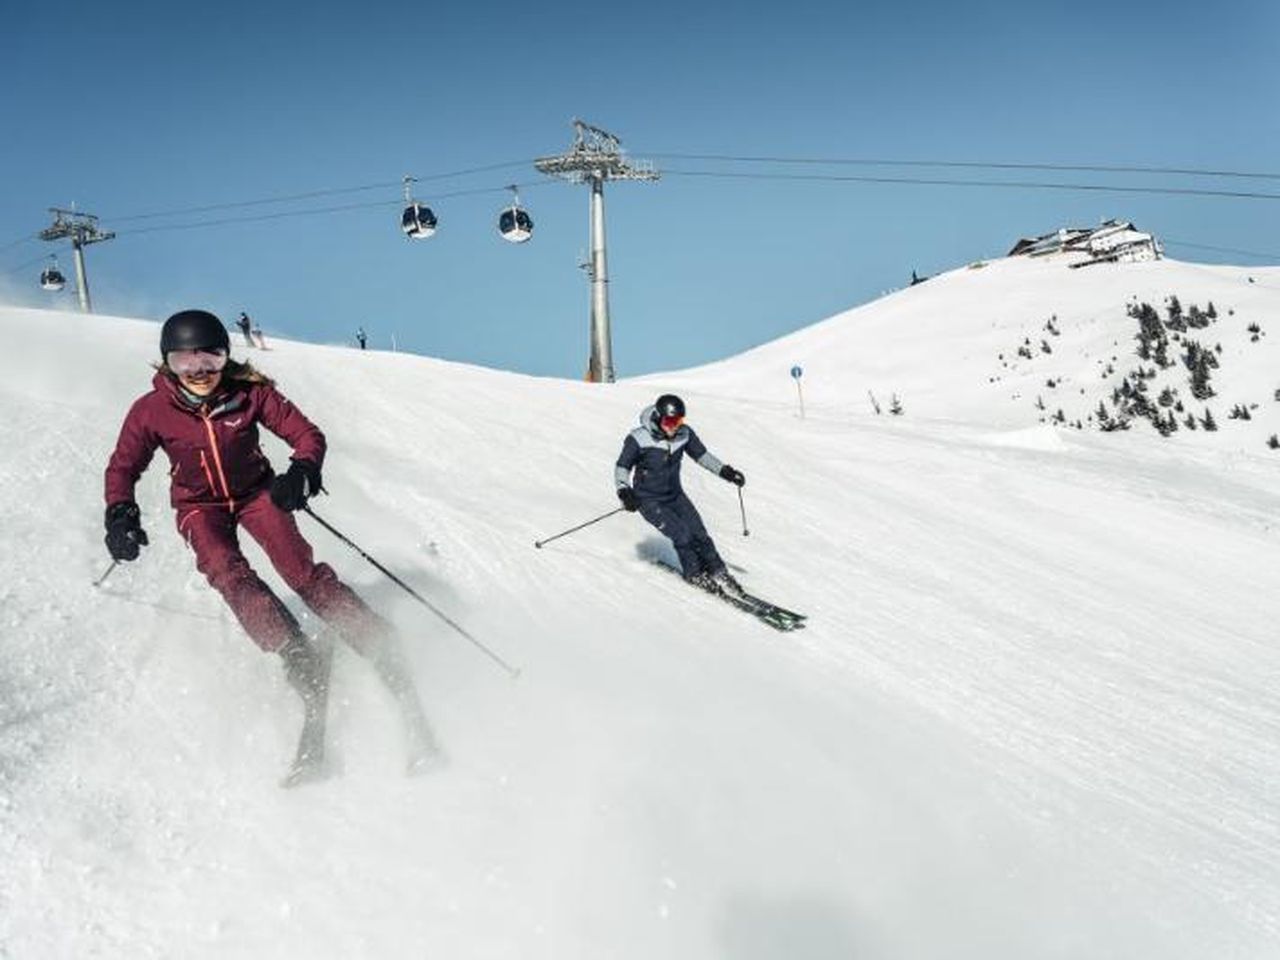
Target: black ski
(308, 764)
(775, 617)
(780, 618)
(775, 610)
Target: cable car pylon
(81, 229)
(596, 156)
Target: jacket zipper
(217, 462)
(208, 475)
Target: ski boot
(705, 581)
(307, 670)
(728, 583)
(304, 668)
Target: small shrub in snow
(1199, 362)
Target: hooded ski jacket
(213, 450)
(650, 460)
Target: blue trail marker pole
(796, 374)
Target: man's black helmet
(669, 405)
(193, 330)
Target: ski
(775, 610)
(764, 612)
(780, 618)
(308, 763)
(781, 613)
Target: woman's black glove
(290, 490)
(125, 535)
(733, 476)
(630, 502)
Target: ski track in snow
(1034, 712)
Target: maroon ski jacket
(213, 449)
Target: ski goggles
(186, 363)
(671, 424)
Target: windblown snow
(1034, 713)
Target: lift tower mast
(81, 229)
(596, 156)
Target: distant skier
(648, 479)
(361, 338)
(203, 411)
(246, 327)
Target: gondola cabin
(51, 279)
(418, 222)
(515, 225)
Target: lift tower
(81, 229)
(596, 156)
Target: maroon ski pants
(211, 533)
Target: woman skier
(203, 411)
(648, 479)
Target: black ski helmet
(193, 330)
(668, 405)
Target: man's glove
(630, 502)
(291, 490)
(733, 476)
(124, 530)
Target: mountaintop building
(1112, 241)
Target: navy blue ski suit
(650, 465)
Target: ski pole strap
(511, 671)
(565, 533)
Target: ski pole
(511, 671)
(743, 507)
(565, 533)
(107, 573)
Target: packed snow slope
(1034, 713)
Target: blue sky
(129, 109)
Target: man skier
(246, 327)
(648, 479)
